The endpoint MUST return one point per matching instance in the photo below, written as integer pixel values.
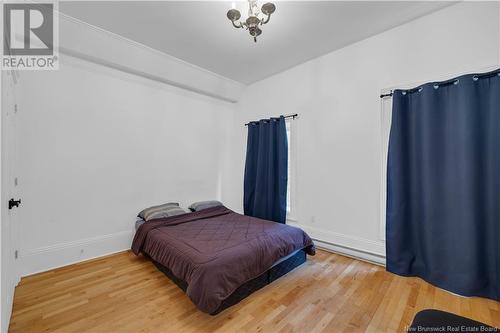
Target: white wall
(339, 130)
(96, 145)
(93, 43)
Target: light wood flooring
(329, 293)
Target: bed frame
(249, 287)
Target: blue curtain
(266, 170)
(443, 190)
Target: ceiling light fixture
(254, 19)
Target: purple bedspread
(216, 250)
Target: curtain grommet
(403, 93)
(475, 78)
(456, 82)
(420, 89)
(436, 86)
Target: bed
(218, 257)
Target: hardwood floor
(329, 293)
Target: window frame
(385, 122)
(291, 128)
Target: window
(290, 206)
(385, 117)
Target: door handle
(14, 203)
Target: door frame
(8, 268)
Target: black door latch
(14, 203)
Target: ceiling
(199, 32)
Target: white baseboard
(351, 246)
(352, 253)
(49, 257)
(62, 254)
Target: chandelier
(254, 20)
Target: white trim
(45, 258)
(140, 45)
(5, 306)
(358, 247)
(90, 43)
(351, 253)
(132, 71)
(8, 270)
(292, 160)
(385, 126)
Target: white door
(9, 275)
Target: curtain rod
(293, 116)
(456, 80)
